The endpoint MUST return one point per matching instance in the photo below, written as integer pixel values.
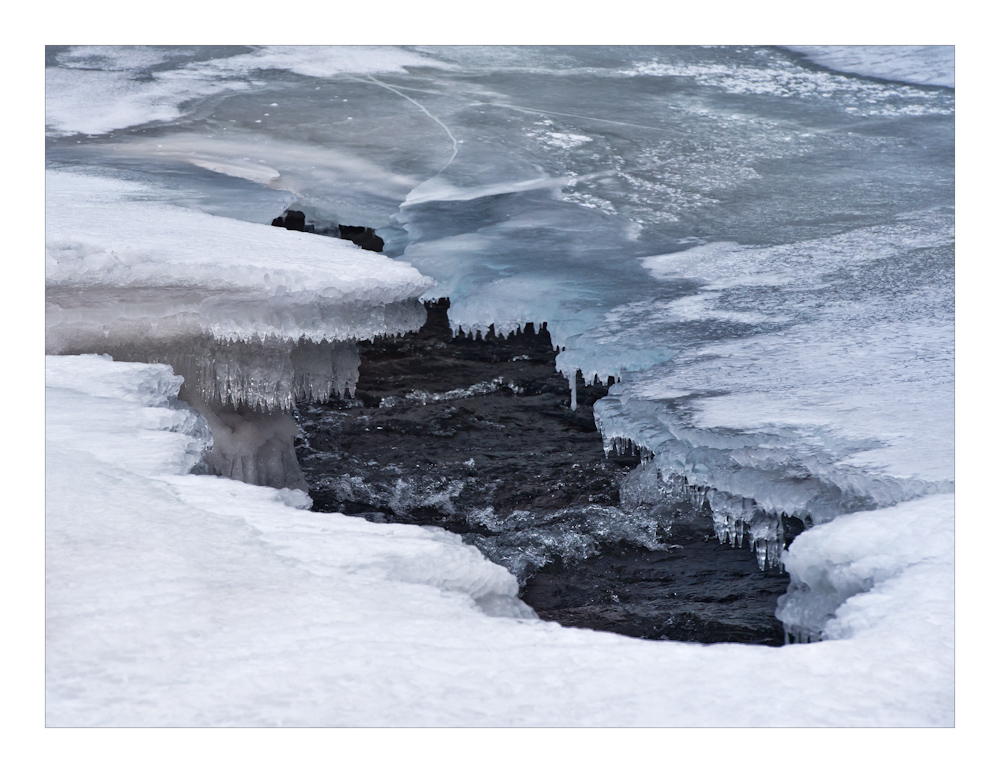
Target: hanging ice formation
(254, 318)
(245, 390)
(750, 480)
(735, 518)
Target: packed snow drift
(178, 599)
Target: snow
(788, 346)
(325, 61)
(177, 599)
(253, 317)
(925, 65)
(907, 549)
(115, 255)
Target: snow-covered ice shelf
(842, 400)
(122, 262)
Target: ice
(759, 251)
(535, 210)
(112, 240)
(928, 65)
(560, 212)
(253, 317)
(113, 58)
(191, 600)
(245, 391)
(837, 402)
(84, 101)
(324, 61)
(98, 89)
(318, 174)
(435, 189)
(121, 264)
(775, 76)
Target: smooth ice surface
(929, 65)
(98, 89)
(176, 599)
(120, 261)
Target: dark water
(476, 436)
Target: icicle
(572, 391)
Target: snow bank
(178, 599)
(907, 550)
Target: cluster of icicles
(735, 518)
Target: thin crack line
(429, 114)
(536, 111)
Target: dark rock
(292, 219)
(366, 238)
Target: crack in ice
(574, 115)
(429, 114)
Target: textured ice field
(176, 599)
(841, 397)
(95, 90)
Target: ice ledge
(752, 479)
(252, 317)
(118, 260)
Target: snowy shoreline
(192, 600)
(761, 255)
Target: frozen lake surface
(755, 244)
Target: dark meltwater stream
(477, 436)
